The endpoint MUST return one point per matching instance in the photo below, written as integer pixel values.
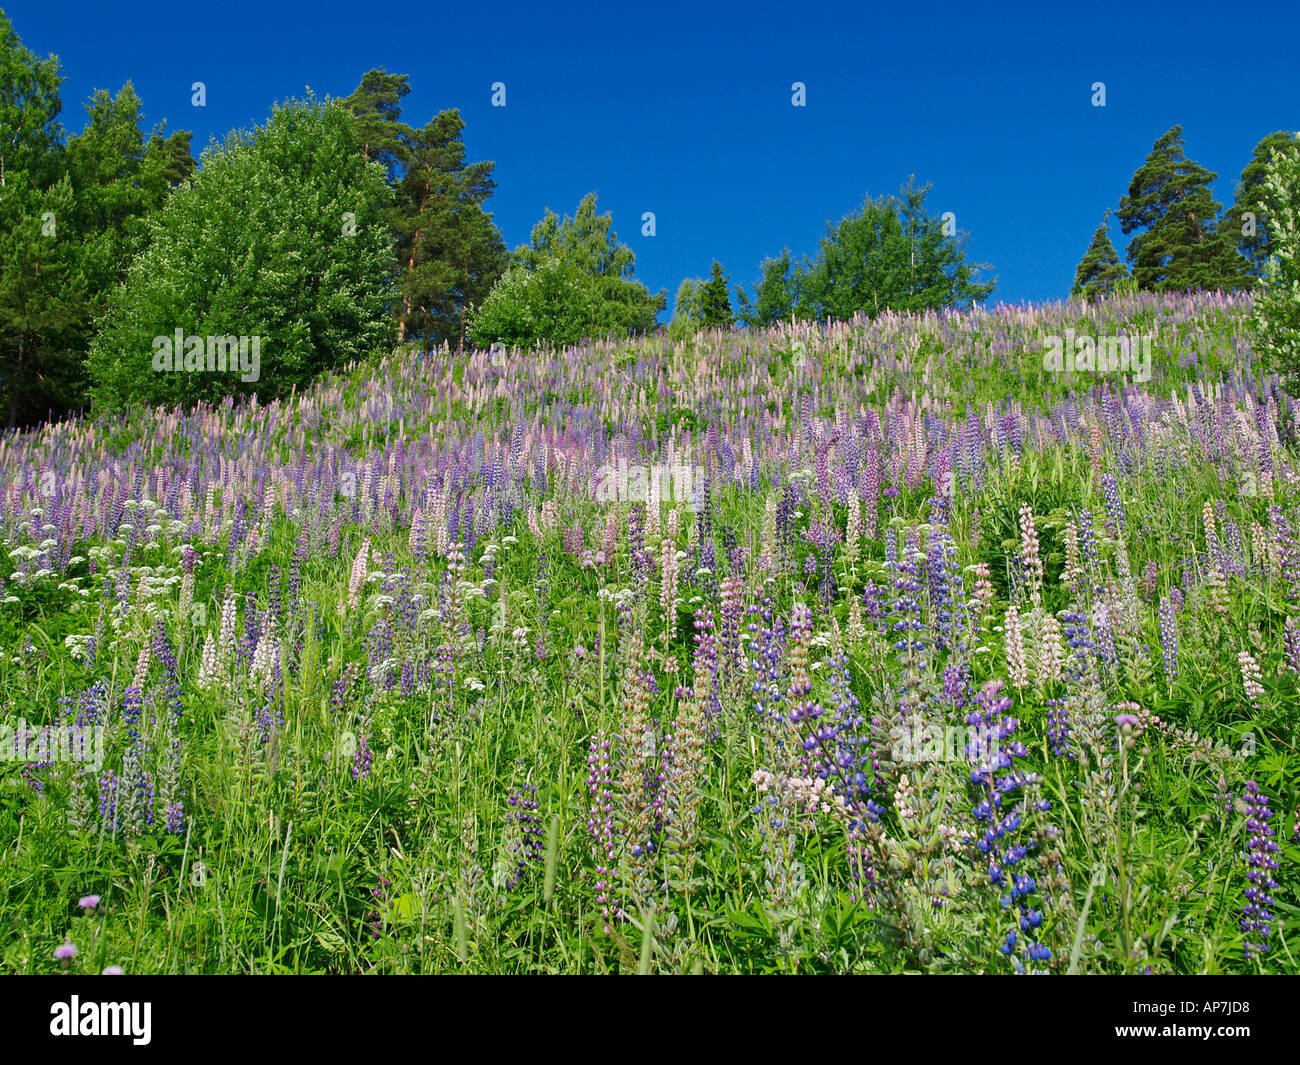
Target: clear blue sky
(685, 109)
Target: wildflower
(1251, 676)
(112, 970)
(89, 903)
(1017, 667)
(1169, 638)
(65, 951)
(1256, 915)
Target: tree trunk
(13, 388)
(410, 265)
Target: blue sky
(684, 109)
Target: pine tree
(448, 251)
(1179, 246)
(1100, 270)
(715, 304)
(119, 180)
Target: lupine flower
(1257, 914)
(1029, 556)
(524, 837)
(1017, 667)
(361, 759)
(1251, 675)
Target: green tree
(42, 300)
(119, 179)
(280, 235)
(383, 136)
(1100, 270)
(891, 255)
(775, 295)
(686, 309)
(40, 286)
(556, 303)
(1171, 212)
(1252, 197)
(715, 304)
(582, 266)
(448, 251)
(1277, 310)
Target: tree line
(1181, 237)
(336, 230)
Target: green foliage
(891, 255)
(1171, 210)
(574, 280)
(447, 250)
(686, 309)
(775, 295)
(41, 286)
(280, 235)
(1252, 196)
(715, 305)
(556, 302)
(43, 294)
(1100, 270)
(1278, 307)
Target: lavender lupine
(992, 754)
(601, 827)
(1257, 914)
(524, 837)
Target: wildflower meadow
(889, 645)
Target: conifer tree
(1100, 270)
(1171, 212)
(715, 304)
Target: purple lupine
(873, 604)
(524, 833)
(1257, 914)
(1150, 579)
(1114, 505)
(162, 650)
(1169, 638)
(1058, 728)
(600, 825)
(1287, 552)
(1291, 646)
(109, 784)
(992, 753)
(379, 894)
(361, 759)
